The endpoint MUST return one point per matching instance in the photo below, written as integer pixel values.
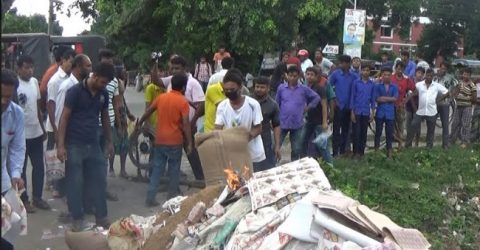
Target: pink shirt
(193, 92)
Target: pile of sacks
(289, 207)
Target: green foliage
(13, 23)
(431, 190)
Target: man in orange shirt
(218, 57)
(172, 131)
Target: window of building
(386, 31)
(386, 47)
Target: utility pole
(50, 17)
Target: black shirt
(271, 116)
(315, 115)
(83, 124)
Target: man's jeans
(415, 126)
(309, 133)
(444, 113)
(295, 141)
(341, 130)
(34, 151)
(163, 155)
(409, 119)
(268, 163)
(85, 167)
(360, 128)
(389, 130)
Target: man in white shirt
(427, 92)
(81, 68)
(305, 61)
(61, 75)
(196, 100)
(28, 96)
(325, 64)
(227, 63)
(241, 111)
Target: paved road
(131, 195)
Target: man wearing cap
(305, 61)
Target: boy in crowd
(427, 92)
(411, 105)
(362, 104)
(172, 132)
(241, 111)
(294, 100)
(466, 96)
(28, 96)
(448, 81)
(316, 119)
(271, 122)
(342, 80)
(385, 94)
(356, 66)
(404, 84)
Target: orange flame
(233, 181)
(246, 173)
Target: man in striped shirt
(466, 93)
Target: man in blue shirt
(385, 94)
(410, 66)
(13, 140)
(342, 80)
(78, 144)
(362, 104)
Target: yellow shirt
(213, 97)
(151, 92)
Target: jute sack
(221, 149)
(86, 240)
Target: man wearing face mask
(241, 111)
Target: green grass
(430, 190)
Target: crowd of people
(86, 121)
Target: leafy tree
(13, 23)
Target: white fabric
(427, 97)
(52, 91)
(60, 100)
(325, 65)
(247, 116)
(305, 64)
(217, 77)
(28, 94)
(193, 92)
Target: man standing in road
(448, 81)
(81, 68)
(218, 58)
(28, 95)
(271, 122)
(196, 99)
(325, 64)
(410, 66)
(78, 145)
(13, 142)
(172, 131)
(305, 61)
(61, 75)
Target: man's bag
(55, 169)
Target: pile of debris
(288, 207)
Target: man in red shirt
(172, 131)
(404, 85)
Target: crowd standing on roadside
(87, 117)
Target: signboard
(354, 27)
(353, 50)
(331, 49)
